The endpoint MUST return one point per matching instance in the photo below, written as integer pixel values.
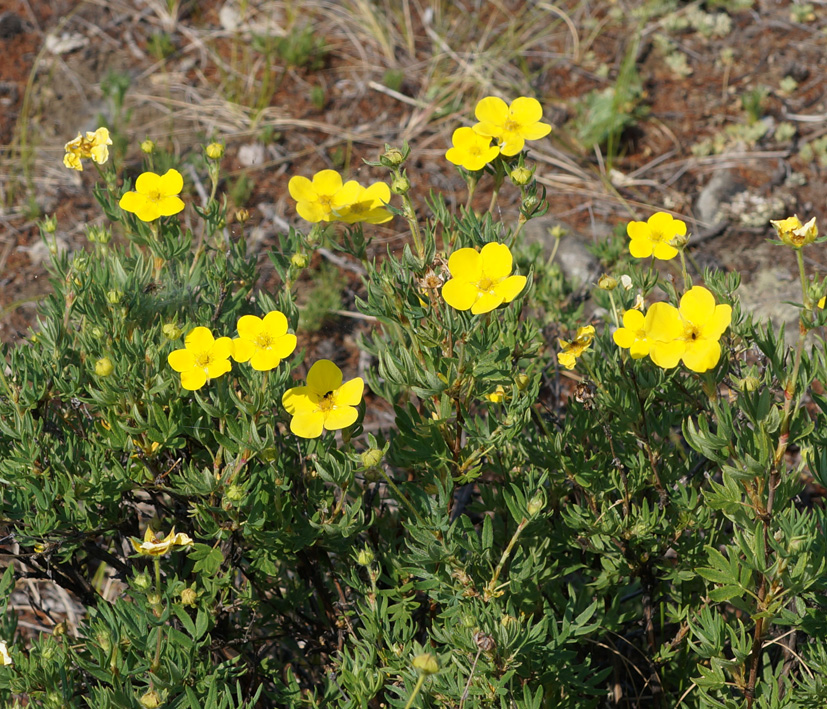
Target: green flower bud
(371, 457)
(535, 505)
(188, 597)
(104, 367)
(214, 151)
(242, 215)
(171, 331)
(79, 263)
(154, 598)
(521, 176)
(401, 185)
(298, 260)
(750, 383)
(392, 157)
(364, 557)
(522, 382)
(234, 493)
(148, 147)
(142, 581)
(426, 663)
(113, 297)
(606, 282)
(530, 202)
(49, 224)
(150, 700)
(103, 640)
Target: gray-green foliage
(631, 537)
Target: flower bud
(154, 598)
(59, 629)
(148, 147)
(364, 557)
(49, 224)
(113, 297)
(750, 383)
(530, 202)
(188, 597)
(142, 581)
(535, 505)
(234, 493)
(79, 263)
(104, 367)
(171, 331)
(242, 215)
(679, 241)
(150, 700)
(298, 260)
(522, 381)
(401, 185)
(371, 457)
(392, 157)
(426, 663)
(103, 640)
(214, 151)
(606, 282)
(521, 175)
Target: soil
(59, 55)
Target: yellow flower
(481, 281)
(511, 125)
(202, 358)
(653, 236)
(497, 396)
(93, 146)
(5, 657)
(471, 150)
(572, 350)
(368, 205)
(158, 546)
(822, 301)
(325, 403)
(154, 196)
(632, 336)
(689, 334)
(325, 198)
(263, 342)
(793, 233)
(104, 367)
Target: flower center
(328, 403)
(692, 333)
(154, 196)
(511, 126)
(203, 360)
(359, 207)
(264, 341)
(485, 284)
(326, 201)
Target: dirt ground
(729, 110)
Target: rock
(717, 192)
(10, 25)
(573, 257)
(251, 154)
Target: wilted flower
(158, 546)
(263, 342)
(510, 125)
(652, 237)
(497, 396)
(324, 403)
(5, 657)
(325, 197)
(202, 358)
(572, 350)
(94, 146)
(793, 233)
(481, 280)
(471, 150)
(154, 196)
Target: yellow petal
(285, 345)
(312, 212)
(275, 323)
(243, 350)
(340, 417)
(181, 360)
(640, 248)
(327, 182)
(697, 305)
(324, 377)
(487, 303)
(633, 319)
(301, 189)
(132, 202)
(511, 143)
(199, 339)
(465, 265)
(148, 182)
(664, 251)
(663, 322)
(496, 261)
(309, 425)
(718, 323)
(525, 110)
(667, 354)
(460, 295)
(510, 288)
(222, 348)
(492, 109)
(264, 360)
(72, 161)
(218, 367)
(300, 400)
(193, 379)
(167, 206)
(350, 393)
(249, 327)
(171, 183)
(701, 355)
(535, 131)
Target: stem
(614, 309)
(471, 181)
(687, 283)
(417, 687)
(803, 277)
(410, 217)
(494, 195)
(401, 497)
(492, 584)
(156, 662)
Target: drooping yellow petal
(460, 295)
(667, 354)
(465, 265)
(324, 376)
(496, 261)
(511, 143)
(181, 360)
(307, 425)
(193, 379)
(350, 393)
(340, 417)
